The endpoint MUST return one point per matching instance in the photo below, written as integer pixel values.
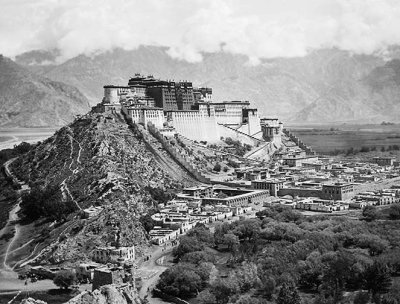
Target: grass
(324, 139)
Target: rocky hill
(325, 86)
(30, 100)
(97, 160)
(104, 295)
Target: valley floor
(14, 136)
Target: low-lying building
(114, 254)
(320, 205)
(92, 211)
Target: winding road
(12, 223)
(152, 266)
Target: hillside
(30, 100)
(325, 86)
(95, 161)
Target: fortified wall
(195, 125)
(299, 142)
(176, 155)
(227, 131)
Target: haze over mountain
(31, 100)
(325, 86)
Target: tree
(247, 277)
(370, 213)
(222, 195)
(361, 297)
(202, 234)
(180, 281)
(64, 279)
(198, 257)
(336, 274)
(288, 294)
(187, 244)
(374, 243)
(311, 271)
(394, 212)
(147, 222)
(268, 289)
(206, 297)
(231, 240)
(225, 288)
(377, 279)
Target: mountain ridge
(31, 100)
(327, 85)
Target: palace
(189, 111)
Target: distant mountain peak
(300, 89)
(30, 100)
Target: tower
(272, 130)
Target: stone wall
(299, 142)
(226, 131)
(176, 155)
(195, 125)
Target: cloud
(255, 28)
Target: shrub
(217, 167)
(64, 279)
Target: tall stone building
(184, 95)
(167, 94)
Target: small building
(337, 191)
(112, 275)
(85, 271)
(114, 254)
(384, 161)
(272, 185)
(199, 191)
(92, 211)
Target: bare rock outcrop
(32, 301)
(108, 294)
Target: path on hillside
(12, 223)
(151, 266)
(64, 186)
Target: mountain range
(326, 86)
(31, 100)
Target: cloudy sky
(188, 28)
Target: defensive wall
(299, 142)
(227, 131)
(244, 158)
(176, 155)
(262, 151)
(195, 125)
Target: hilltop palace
(178, 107)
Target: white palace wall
(195, 125)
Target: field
(14, 136)
(342, 137)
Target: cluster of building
(308, 182)
(202, 204)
